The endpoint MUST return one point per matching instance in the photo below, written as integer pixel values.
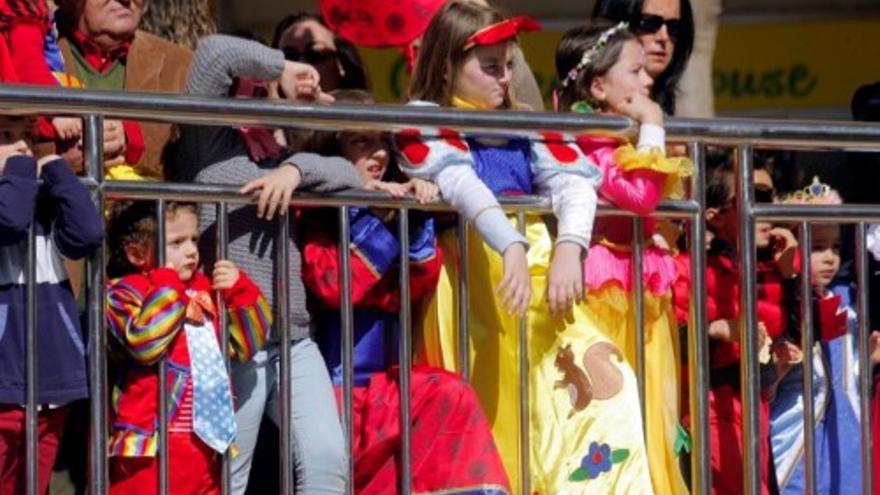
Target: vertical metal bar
(163, 365)
(807, 342)
(749, 370)
(93, 137)
(639, 300)
(31, 413)
(865, 371)
(464, 352)
(698, 340)
(282, 298)
(524, 445)
(346, 316)
(405, 356)
(222, 254)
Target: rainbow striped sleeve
(145, 326)
(249, 328)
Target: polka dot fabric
(213, 416)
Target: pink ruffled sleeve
(638, 191)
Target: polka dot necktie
(213, 416)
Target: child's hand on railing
(393, 189)
(275, 190)
(301, 82)
(565, 282)
(515, 288)
(225, 275)
(424, 191)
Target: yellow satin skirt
(585, 426)
(614, 309)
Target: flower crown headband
(590, 54)
(586, 59)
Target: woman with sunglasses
(304, 38)
(666, 30)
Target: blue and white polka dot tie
(213, 416)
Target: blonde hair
(441, 49)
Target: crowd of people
(568, 276)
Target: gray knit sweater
(217, 155)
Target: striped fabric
(145, 315)
(144, 327)
(249, 329)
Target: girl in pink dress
(601, 67)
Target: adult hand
(275, 190)
(67, 128)
(114, 139)
(301, 82)
(565, 282)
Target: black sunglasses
(651, 23)
(764, 194)
(310, 55)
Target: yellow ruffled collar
(466, 105)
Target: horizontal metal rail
(227, 111)
(746, 134)
(142, 190)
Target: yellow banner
(757, 66)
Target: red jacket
(723, 299)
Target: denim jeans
(318, 449)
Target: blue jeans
(318, 449)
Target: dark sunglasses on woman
(651, 23)
(310, 56)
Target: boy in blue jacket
(66, 225)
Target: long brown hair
(574, 43)
(441, 49)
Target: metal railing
(743, 134)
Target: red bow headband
(501, 31)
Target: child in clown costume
(585, 423)
(601, 69)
